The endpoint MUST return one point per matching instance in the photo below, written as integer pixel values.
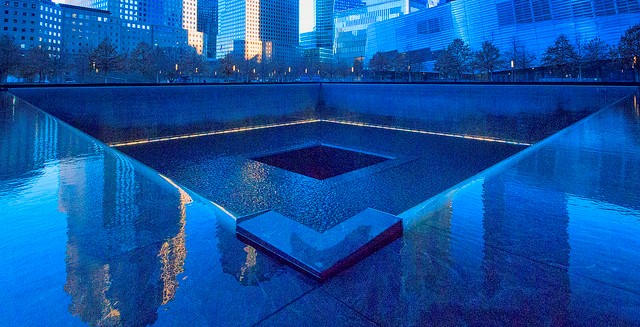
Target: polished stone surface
(317, 309)
(320, 255)
(548, 237)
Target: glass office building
(165, 23)
(532, 24)
(208, 25)
(132, 14)
(350, 26)
(84, 28)
(33, 23)
(260, 29)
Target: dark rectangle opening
(321, 161)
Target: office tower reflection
(242, 261)
(124, 251)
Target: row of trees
(13, 61)
(155, 64)
(146, 63)
(562, 59)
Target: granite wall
(524, 113)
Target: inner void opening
(321, 161)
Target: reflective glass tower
(260, 29)
(324, 25)
(526, 24)
(208, 24)
(133, 15)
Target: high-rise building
(529, 24)
(159, 22)
(208, 25)
(324, 11)
(350, 34)
(133, 17)
(195, 38)
(33, 23)
(260, 29)
(165, 18)
(84, 28)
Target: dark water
(221, 168)
(320, 161)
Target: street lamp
(513, 65)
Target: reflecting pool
(222, 168)
(548, 236)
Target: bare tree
(143, 59)
(629, 48)
(519, 58)
(105, 58)
(488, 59)
(36, 63)
(596, 52)
(455, 60)
(9, 57)
(561, 56)
(379, 64)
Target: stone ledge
(320, 255)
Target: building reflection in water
(126, 238)
(242, 261)
(26, 147)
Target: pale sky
(306, 16)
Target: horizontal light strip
(227, 131)
(244, 129)
(471, 137)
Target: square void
(321, 161)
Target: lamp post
(513, 65)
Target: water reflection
(243, 262)
(549, 239)
(124, 252)
(25, 147)
(125, 246)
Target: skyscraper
(324, 14)
(260, 29)
(157, 22)
(133, 15)
(33, 23)
(208, 24)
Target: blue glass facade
(350, 35)
(533, 24)
(261, 29)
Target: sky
(306, 16)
